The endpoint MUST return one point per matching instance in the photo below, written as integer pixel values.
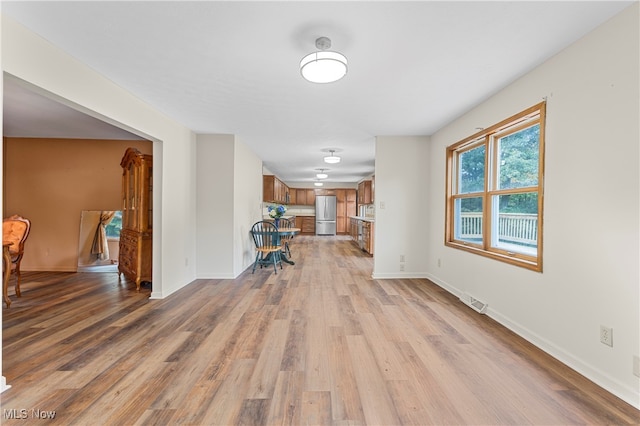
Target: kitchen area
(326, 212)
(361, 226)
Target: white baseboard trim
(3, 384)
(444, 285)
(398, 275)
(597, 376)
(602, 379)
(156, 295)
(52, 269)
(226, 276)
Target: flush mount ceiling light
(324, 66)
(318, 183)
(332, 159)
(322, 174)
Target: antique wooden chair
(268, 246)
(15, 230)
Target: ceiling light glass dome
(323, 66)
(332, 159)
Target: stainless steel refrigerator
(325, 215)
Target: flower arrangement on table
(276, 212)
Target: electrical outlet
(402, 258)
(606, 335)
(439, 263)
(636, 365)
(402, 267)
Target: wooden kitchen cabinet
(353, 229)
(307, 224)
(301, 196)
(274, 190)
(352, 196)
(345, 207)
(365, 194)
(367, 236)
(135, 248)
(311, 197)
(341, 211)
(268, 188)
(305, 197)
(352, 202)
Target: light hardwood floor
(319, 343)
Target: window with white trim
(495, 190)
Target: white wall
(591, 209)
(214, 206)
(400, 227)
(229, 201)
(247, 204)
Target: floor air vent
(474, 303)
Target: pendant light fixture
(332, 159)
(322, 174)
(323, 66)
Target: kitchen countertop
(363, 218)
(290, 216)
(282, 217)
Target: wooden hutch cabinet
(137, 212)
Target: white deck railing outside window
(518, 228)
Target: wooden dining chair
(268, 246)
(15, 230)
(285, 239)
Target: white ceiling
(233, 67)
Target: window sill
(515, 259)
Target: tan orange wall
(50, 181)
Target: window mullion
(486, 205)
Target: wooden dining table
(282, 232)
(276, 242)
